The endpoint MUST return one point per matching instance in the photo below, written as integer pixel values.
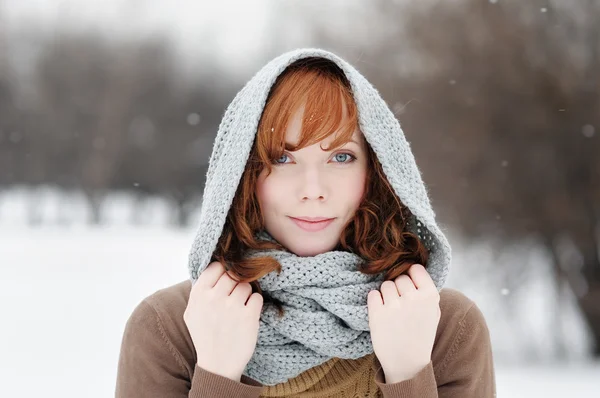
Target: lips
(318, 224)
(313, 219)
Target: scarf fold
(325, 302)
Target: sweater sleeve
(466, 371)
(150, 366)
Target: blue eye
(277, 160)
(345, 154)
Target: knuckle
(244, 287)
(228, 303)
(211, 296)
(388, 283)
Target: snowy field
(67, 291)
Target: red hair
(377, 232)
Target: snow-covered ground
(67, 291)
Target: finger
(389, 292)
(225, 284)
(420, 277)
(405, 285)
(255, 303)
(374, 300)
(241, 292)
(211, 274)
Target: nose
(313, 185)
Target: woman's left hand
(403, 319)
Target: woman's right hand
(222, 317)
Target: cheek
(357, 187)
(267, 192)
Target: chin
(305, 244)
(308, 250)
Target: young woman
(318, 267)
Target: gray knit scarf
(325, 303)
(324, 296)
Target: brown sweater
(158, 360)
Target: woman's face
(312, 182)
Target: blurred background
(108, 111)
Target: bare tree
(515, 98)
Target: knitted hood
(380, 128)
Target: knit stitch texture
(324, 297)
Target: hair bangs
(327, 105)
